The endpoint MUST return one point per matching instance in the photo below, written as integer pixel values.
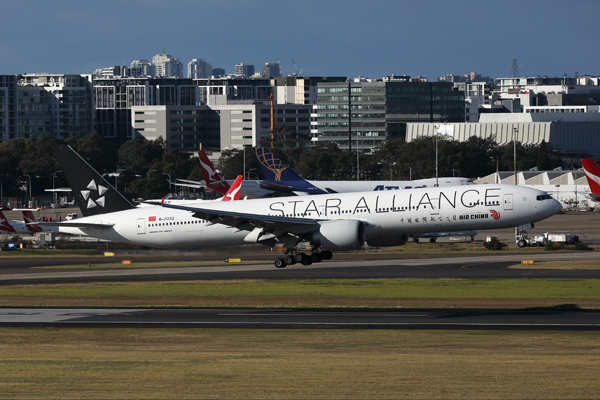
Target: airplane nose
(557, 207)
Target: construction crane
(272, 98)
(296, 68)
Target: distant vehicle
(541, 240)
(71, 216)
(4, 207)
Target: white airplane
(325, 223)
(281, 180)
(26, 227)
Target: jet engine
(340, 235)
(386, 241)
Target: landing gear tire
(316, 257)
(280, 263)
(416, 239)
(306, 261)
(432, 240)
(472, 239)
(300, 258)
(289, 260)
(326, 255)
(521, 243)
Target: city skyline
(332, 38)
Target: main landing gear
(302, 258)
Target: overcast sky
(349, 38)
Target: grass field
(511, 293)
(274, 364)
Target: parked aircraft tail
(93, 194)
(592, 173)
(234, 191)
(30, 219)
(5, 226)
(273, 168)
(211, 176)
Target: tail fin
(592, 172)
(5, 226)
(211, 176)
(234, 191)
(273, 168)
(29, 219)
(93, 194)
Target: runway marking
(276, 314)
(329, 323)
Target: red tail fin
(211, 176)
(592, 172)
(29, 218)
(234, 191)
(5, 226)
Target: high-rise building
(366, 113)
(198, 68)
(141, 67)
(8, 107)
(271, 70)
(244, 70)
(115, 97)
(167, 66)
(67, 101)
(218, 71)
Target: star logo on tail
(100, 200)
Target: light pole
(515, 131)
(435, 130)
(152, 170)
(54, 176)
(453, 171)
(30, 197)
(164, 173)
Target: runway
(359, 266)
(556, 318)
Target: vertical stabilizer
(592, 173)
(211, 176)
(93, 194)
(273, 168)
(30, 219)
(5, 226)
(234, 191)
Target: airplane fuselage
(384, 213)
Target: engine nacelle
(340, 235)
(387, 241)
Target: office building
(381, 108)
(244, 70)
(198, 68)
(8, 107)
(167, 66)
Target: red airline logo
(495, 214)
(151, 219)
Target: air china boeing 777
(325, 223)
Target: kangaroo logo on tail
(234, 191)
(211, 176)
(30, 219)
(5, 226)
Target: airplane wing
(245, 221)
(74, 224)
(192, 185)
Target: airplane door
(508, 201)
(435, 205)
(141, 226)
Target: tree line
(145, 165)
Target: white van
(69, 217)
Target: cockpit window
(544, 197)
